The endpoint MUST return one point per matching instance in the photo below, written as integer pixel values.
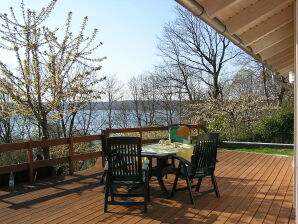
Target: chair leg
(112, 193)
(107, 189)
(199, 184)
(145, 197)
(173, 164)
(213, 179)
(148, 192)
(102, 179)
(176, 180)
(189, 188)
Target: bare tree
(123, 114)
(195, 50)
(135, 91)
(266, 83)
(149, 99)
(171, 96)
(112, 93)
(90, 120)
(181, 81)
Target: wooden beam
(280, 57)
(13, 146)
(49, 142)
(255, 12)
(215, 7)
(271, 24)
(273, 38)
(285, 71)
(14, 168)
(277, 48)
(88, 155)
(284, 64)
(50, 162)
(287, 60)
(87, 138)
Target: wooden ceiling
(265, 26)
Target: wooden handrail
(147, 129)
(72, 157)
(31, 165)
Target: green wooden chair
(125, 168)
(202, 165)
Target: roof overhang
(262, 28)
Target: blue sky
(128, 29)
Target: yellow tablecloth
(183, 150)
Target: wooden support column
(70, 154)
(296, 107)
(30, 160)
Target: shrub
(278, 127)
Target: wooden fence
(30, 165)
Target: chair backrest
(124, 158)
(179, 133)
(205, 153)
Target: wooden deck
(254, 188)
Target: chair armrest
(106, 168)
(184, 161)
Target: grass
(285, 152)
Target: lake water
(92, 122)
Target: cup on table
(176, 144)
(167, 142)
(161, 141)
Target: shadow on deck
(254, 188)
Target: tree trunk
(281, 96)
(216, 88)
(265, 84)
(46, 135)
(71, 125)
(63, 126)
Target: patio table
(162, 152)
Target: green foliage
(217, 124)
(278, 127)
(13, 157)
(238, 134)
(228, 132)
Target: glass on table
(161, 142)
(176, 144)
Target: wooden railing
(141, 130)
(72, 157)
(30, 145)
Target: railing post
(198, 129)
(103, 147)
(70, 154)
(30, 160)
(141, 133)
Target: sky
(128, 29)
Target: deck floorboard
(255, 188)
